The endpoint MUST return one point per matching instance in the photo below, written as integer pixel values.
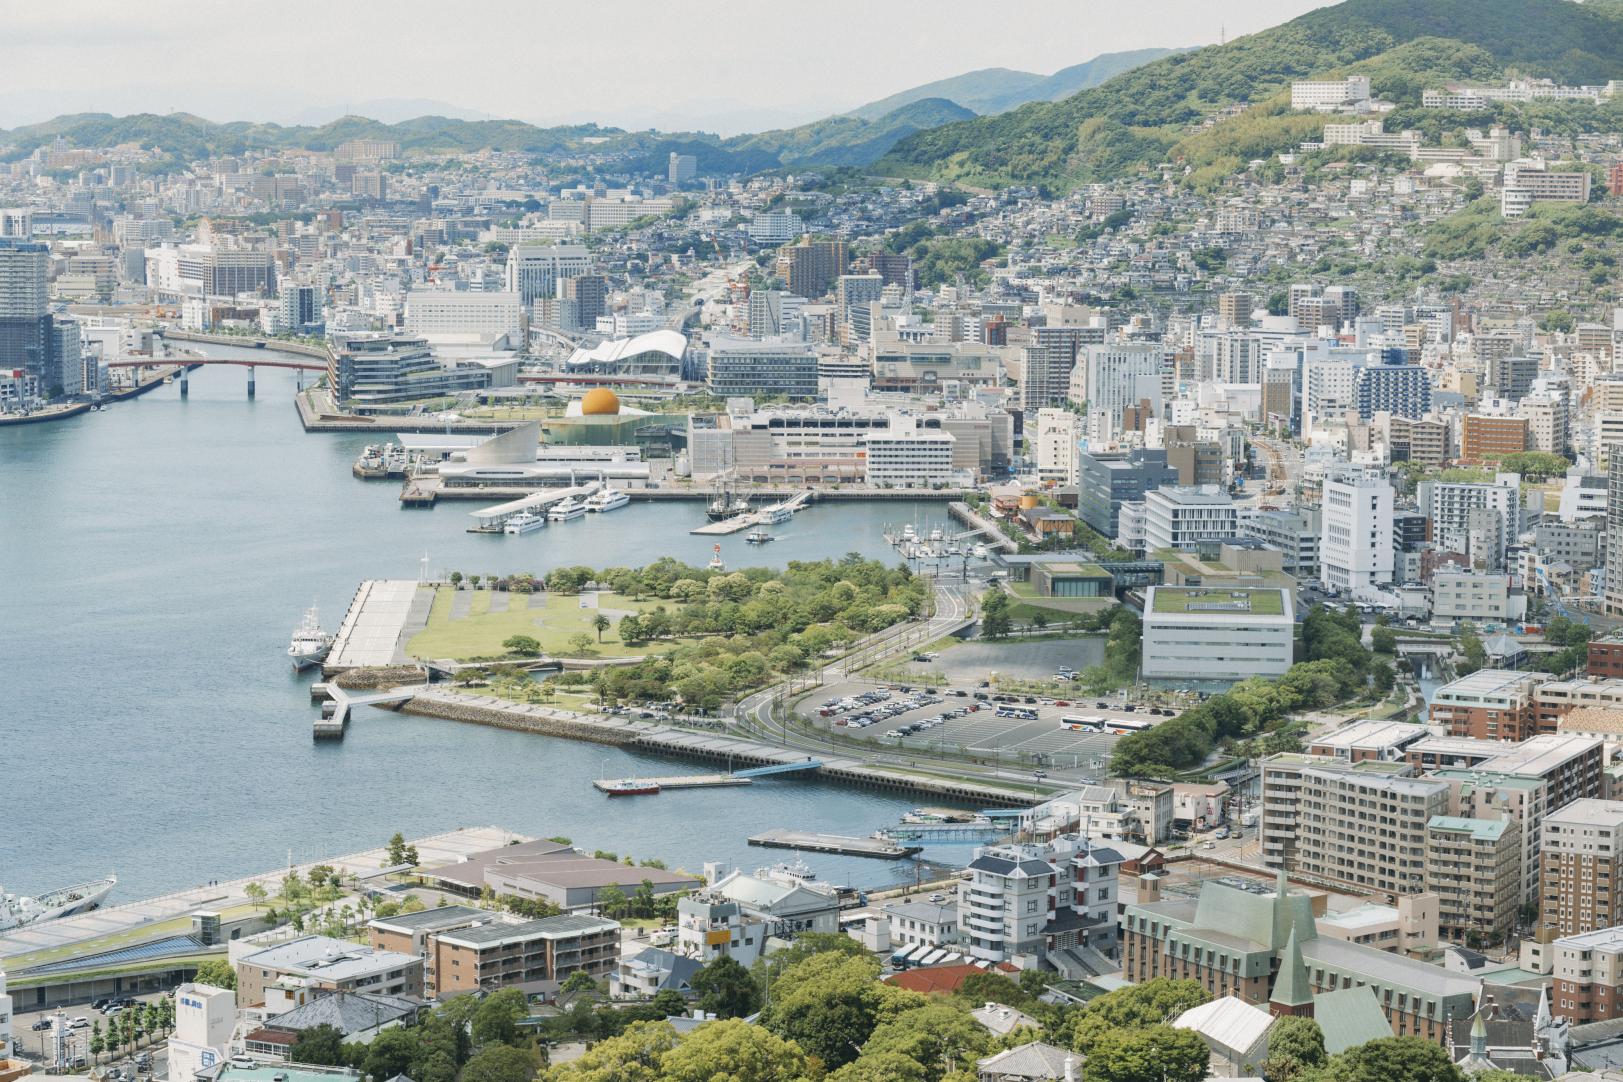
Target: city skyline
(787, 84)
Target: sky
(629, 63)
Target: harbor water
(157, 556)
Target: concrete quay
(735, 752)
(842, 844)
(674, 781)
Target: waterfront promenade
(126, 922)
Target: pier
(840, 844)
(766, 516)
(335, 711)
(678, 781)
(492, 519)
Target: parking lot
(965, 664)
(954, 720)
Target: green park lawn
(481, 632)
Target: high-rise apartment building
(1488, 439)
(681, 168)
(1614, 537)
(1473, 867)
(1581, 881)
(25, 324)
(811, 267)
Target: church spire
(1293, 993)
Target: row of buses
(1087, 723)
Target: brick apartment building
(464, 949)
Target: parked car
(43, 1023)
(80, 1022)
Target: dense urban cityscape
(1102, 576)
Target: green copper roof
(1348, 1017)
(1291, 987)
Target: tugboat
(310, 644)
(758, 536)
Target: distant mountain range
(857, 138)
(1154, 113)
(997, 90)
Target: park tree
(940, 1037)
(1156, 1053)
(726, 989)
(496, 1019)
(600, 624)
(637, 1055)
(523, 645)
(500, 1063)
(1295, 1046)
(736, 1051)
(322, 1045)
(995, 621)
(1134, 1007)
(395, 851)
(217, 973)
(391, 1053)
(611, 900)
(880, 1067)
(828, 1004)
(1383, 640)
(1394, 1059)
(256, 894)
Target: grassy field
(480, 632)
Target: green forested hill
(1143, 116)
(996, 90)
(849, 140)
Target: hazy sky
(636, 63)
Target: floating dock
(832, 843)
(681, 781)
(766, 516)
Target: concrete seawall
(719, 747)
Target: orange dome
(600, 401)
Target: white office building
(446, 318)
(1327, 97)
(534, 270)
(907, 456)
(1112, 377)
(1180, 517)
(204, 1019)
(1218, 633)
(1356, 550)
(1056, 445)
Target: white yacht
(310, 644)
(566, 510)
(523, 522)
(17, 910)
(775, 514)
(607, 499)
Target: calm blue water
(155, 558)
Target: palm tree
(601, 623)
